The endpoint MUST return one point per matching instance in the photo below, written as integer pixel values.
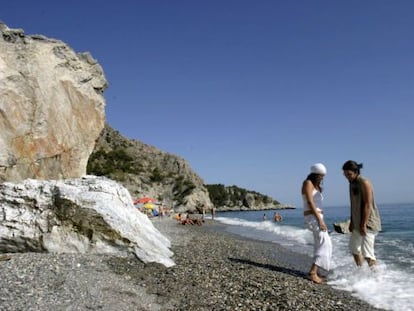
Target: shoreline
(222, 271)
(214, 270)
(247, 209)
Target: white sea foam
(271, 231)
(385, 288)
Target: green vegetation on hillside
(221, 195)
(118, 165)
(103, 163)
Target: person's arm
(367, 199)
(307, 190)
(351, 225)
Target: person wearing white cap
(313, 213)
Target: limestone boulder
(342, 226)
(52, 107)
(86, 215)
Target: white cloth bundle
(322, 244)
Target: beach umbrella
(149, 205)
(144, 200)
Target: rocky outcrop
(51, 107)
(233, 198)
(149, 172)
(88, 215)
(342, 227)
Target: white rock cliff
(51, 107)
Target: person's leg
(355, 247)
(371, 262)
(359, 260)
(367, 248)
(313, 274)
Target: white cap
(318, 168)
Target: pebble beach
(214, 271)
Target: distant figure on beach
(188, 220)
(183, 219)
(313, 213)
(198, 222)
(365, 219)
(203, 213)
(264, 216)
(277, 217)
(213, 212)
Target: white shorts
(362, 244)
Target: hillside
(147, 171)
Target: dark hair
(313, 177)
(352, 166)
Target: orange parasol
(144, 200)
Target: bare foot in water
(315, 278)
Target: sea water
(390, 287)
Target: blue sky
(252, 93)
